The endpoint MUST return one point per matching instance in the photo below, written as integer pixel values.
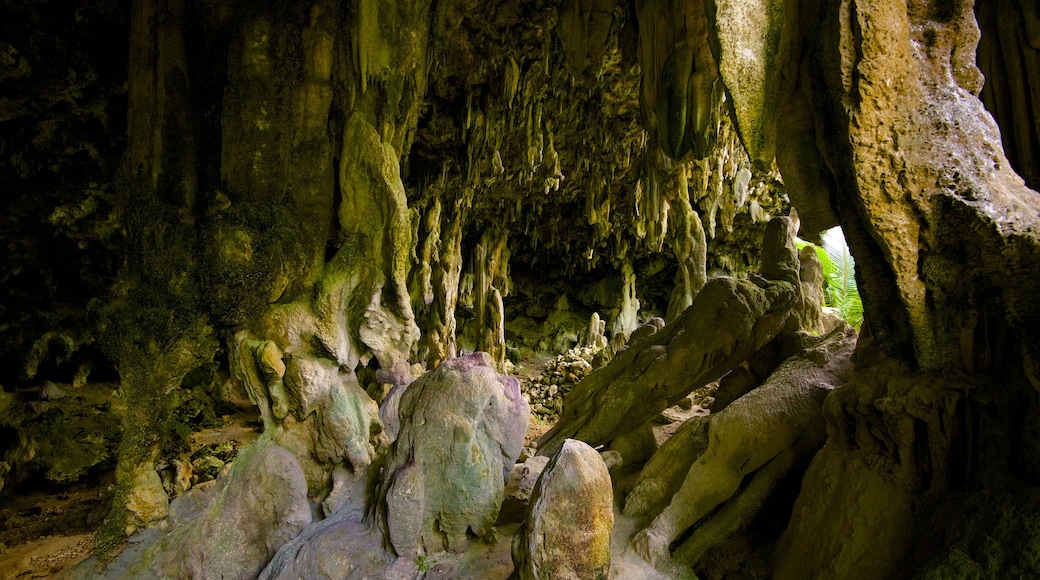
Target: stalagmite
(570, 516)
(462, 430)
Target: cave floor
(46, 529)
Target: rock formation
(240, 524)
(751, 445)
(729, 320)
(462, 429)
(570, 516)
(310, 204)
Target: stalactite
(679, 75)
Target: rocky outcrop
(570, 517)
(655, 372)
(751, 444)
(247, 517)
(462, 429)
(925, 196)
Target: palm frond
(839, 275)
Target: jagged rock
(250, 513)
(570, 518)
(756, 441)
(5, 468)
(462, 429)
(63, 440)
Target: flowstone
(312, 407)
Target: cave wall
(1009, 57)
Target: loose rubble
(546, 391)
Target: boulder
(259, 506)
(462, 429)
(147, 500)
(569, 520)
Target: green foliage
(424, 563)
(839, 276)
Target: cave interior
(602, 224)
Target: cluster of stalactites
(547, 130)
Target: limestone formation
(343, 545)
(570, 517)
(462, 429)
(332, 548)
(312, 407)
(664, 473)
(297, 205)
(247, 516)
(729, 320)
(757, 439)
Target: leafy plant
(424, 563)
(839, 275)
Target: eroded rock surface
(569, 520)
(754, 441)
(462, 429)
(249, 514)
